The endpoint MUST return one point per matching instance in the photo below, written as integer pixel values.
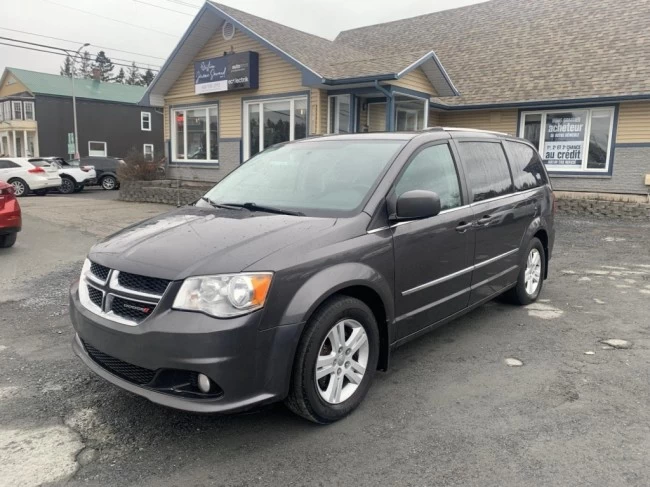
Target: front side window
(29, 110)
(148, 152)
(271, 122)
(195, 134)
(339, 114)
(318, 177)
(527, 168)
(17, 109)
(97, 149)
(487, 169)
(433, 169)
(571, 140)
(145, 121)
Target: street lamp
(74, 103)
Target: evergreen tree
(85, 70)
(133, 75)
(120, 78)
(103, 62)
(68, 68)
(146, 78)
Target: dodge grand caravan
(295, 276)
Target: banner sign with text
(238, 71)
(565, 138)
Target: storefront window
(300, 119)
(196, 130)
(282, 121)
(339, 114)
(573, 140)
(277, 122)
(410, 113)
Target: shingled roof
(496, 53)
(506, 51)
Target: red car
(10, 217)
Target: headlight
(225, 295)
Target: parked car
(74, 176)
(105, 168)
(10, 216)
(296, 276)
(38, 176)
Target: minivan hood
(198, 241)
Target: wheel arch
(537, 229)
(350, 279)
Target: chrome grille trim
(111, 288)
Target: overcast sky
(155, 31)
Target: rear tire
(346, 373)
(21, 188)
(7, 241)
(68, 185)
(531, 275)
(109, 183)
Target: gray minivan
(295, 276)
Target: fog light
(204, 383)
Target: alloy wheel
(342, 361)
(19, 188)
(533, 273)
(108, 183)
(67, 186)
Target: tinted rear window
(39, 162)
(527, 168)
(487, 169)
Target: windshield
(326, 177)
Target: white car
(38, 176)
(74, 176)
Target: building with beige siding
(571, 77)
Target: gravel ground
(450, 411)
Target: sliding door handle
(464, 226)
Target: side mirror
(417, 204)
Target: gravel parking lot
(450, 411)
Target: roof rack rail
(462, 129)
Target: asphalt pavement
(450, 411)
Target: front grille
(125, 370)
(99, 271)
(151, 285)
(95, 296)
(131, 310)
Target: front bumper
(250, 366)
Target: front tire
(335, 362)
(7, 241)
(20, 187)
(109, 183)
(531, 275)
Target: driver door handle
(485, 220)
(464, 226)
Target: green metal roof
(51, 84)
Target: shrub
(136, 168)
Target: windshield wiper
(214, 204)
(268, 209)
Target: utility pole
(74, 105)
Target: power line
(163, 8)
(79, 42)
(112, 19)
(62, 49)
(64, 54)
